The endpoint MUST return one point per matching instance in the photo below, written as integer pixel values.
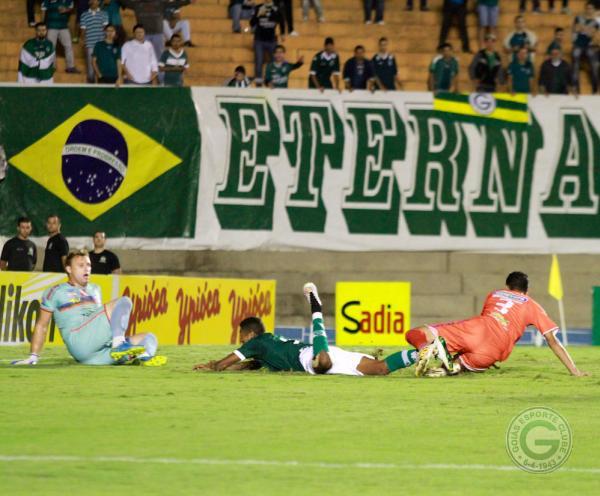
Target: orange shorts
(475, 342)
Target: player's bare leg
(399, 360)
(321, 359)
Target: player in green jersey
(277, 73)
(93, 333)
(262, 349)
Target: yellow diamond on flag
(93, 161)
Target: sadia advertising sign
(372, 313)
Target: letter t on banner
(555, 289)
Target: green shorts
(91, 342)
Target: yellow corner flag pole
(555, 288)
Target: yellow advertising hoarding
(179, 310)
(20, 297)
(184, 310)
(372, 313)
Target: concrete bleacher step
(218, 51)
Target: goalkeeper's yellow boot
(425, 356)
(126, 352)
(155, 361)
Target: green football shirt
(279, 74)
(107, 57)
(171, 58)
(443, 71)
(276, 353)
(54, 18)
(553, 44)
(323, 66)
(521, 75)
(385, 69)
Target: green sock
(319, 334)
(401, 360)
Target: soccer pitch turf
(70, 429)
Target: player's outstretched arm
(219, 365)
(562, 354)
(38, 339)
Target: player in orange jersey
(481, 341)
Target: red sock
(417, 338)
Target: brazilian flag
(484, 107)
(121, 160)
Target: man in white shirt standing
(138, 58)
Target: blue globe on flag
(94, 161)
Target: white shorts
(344, 362)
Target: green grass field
(70, 429)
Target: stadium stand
(413, 38)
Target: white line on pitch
(274, 463)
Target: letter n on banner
(506, 178)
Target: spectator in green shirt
(106, 58)
(585, 29)
(324, 67)
(277, 73)
(520, 37)
(521, 74)
(443, 71)
(57, 14)
(557, 41)
(174, 62)
(113, 9)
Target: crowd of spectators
(154, 55)
(20, 253)
(518, 66)
(510, 68)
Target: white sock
(117, 341)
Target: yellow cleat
(126, 351)
(155, 361)
(425, 356)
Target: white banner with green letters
(387, 171)
(225, 168)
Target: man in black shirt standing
(556, 75)
(358, 71)
(264, 21)
(103, 261)
(486, 68)
(57, 247)
(19, 253)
